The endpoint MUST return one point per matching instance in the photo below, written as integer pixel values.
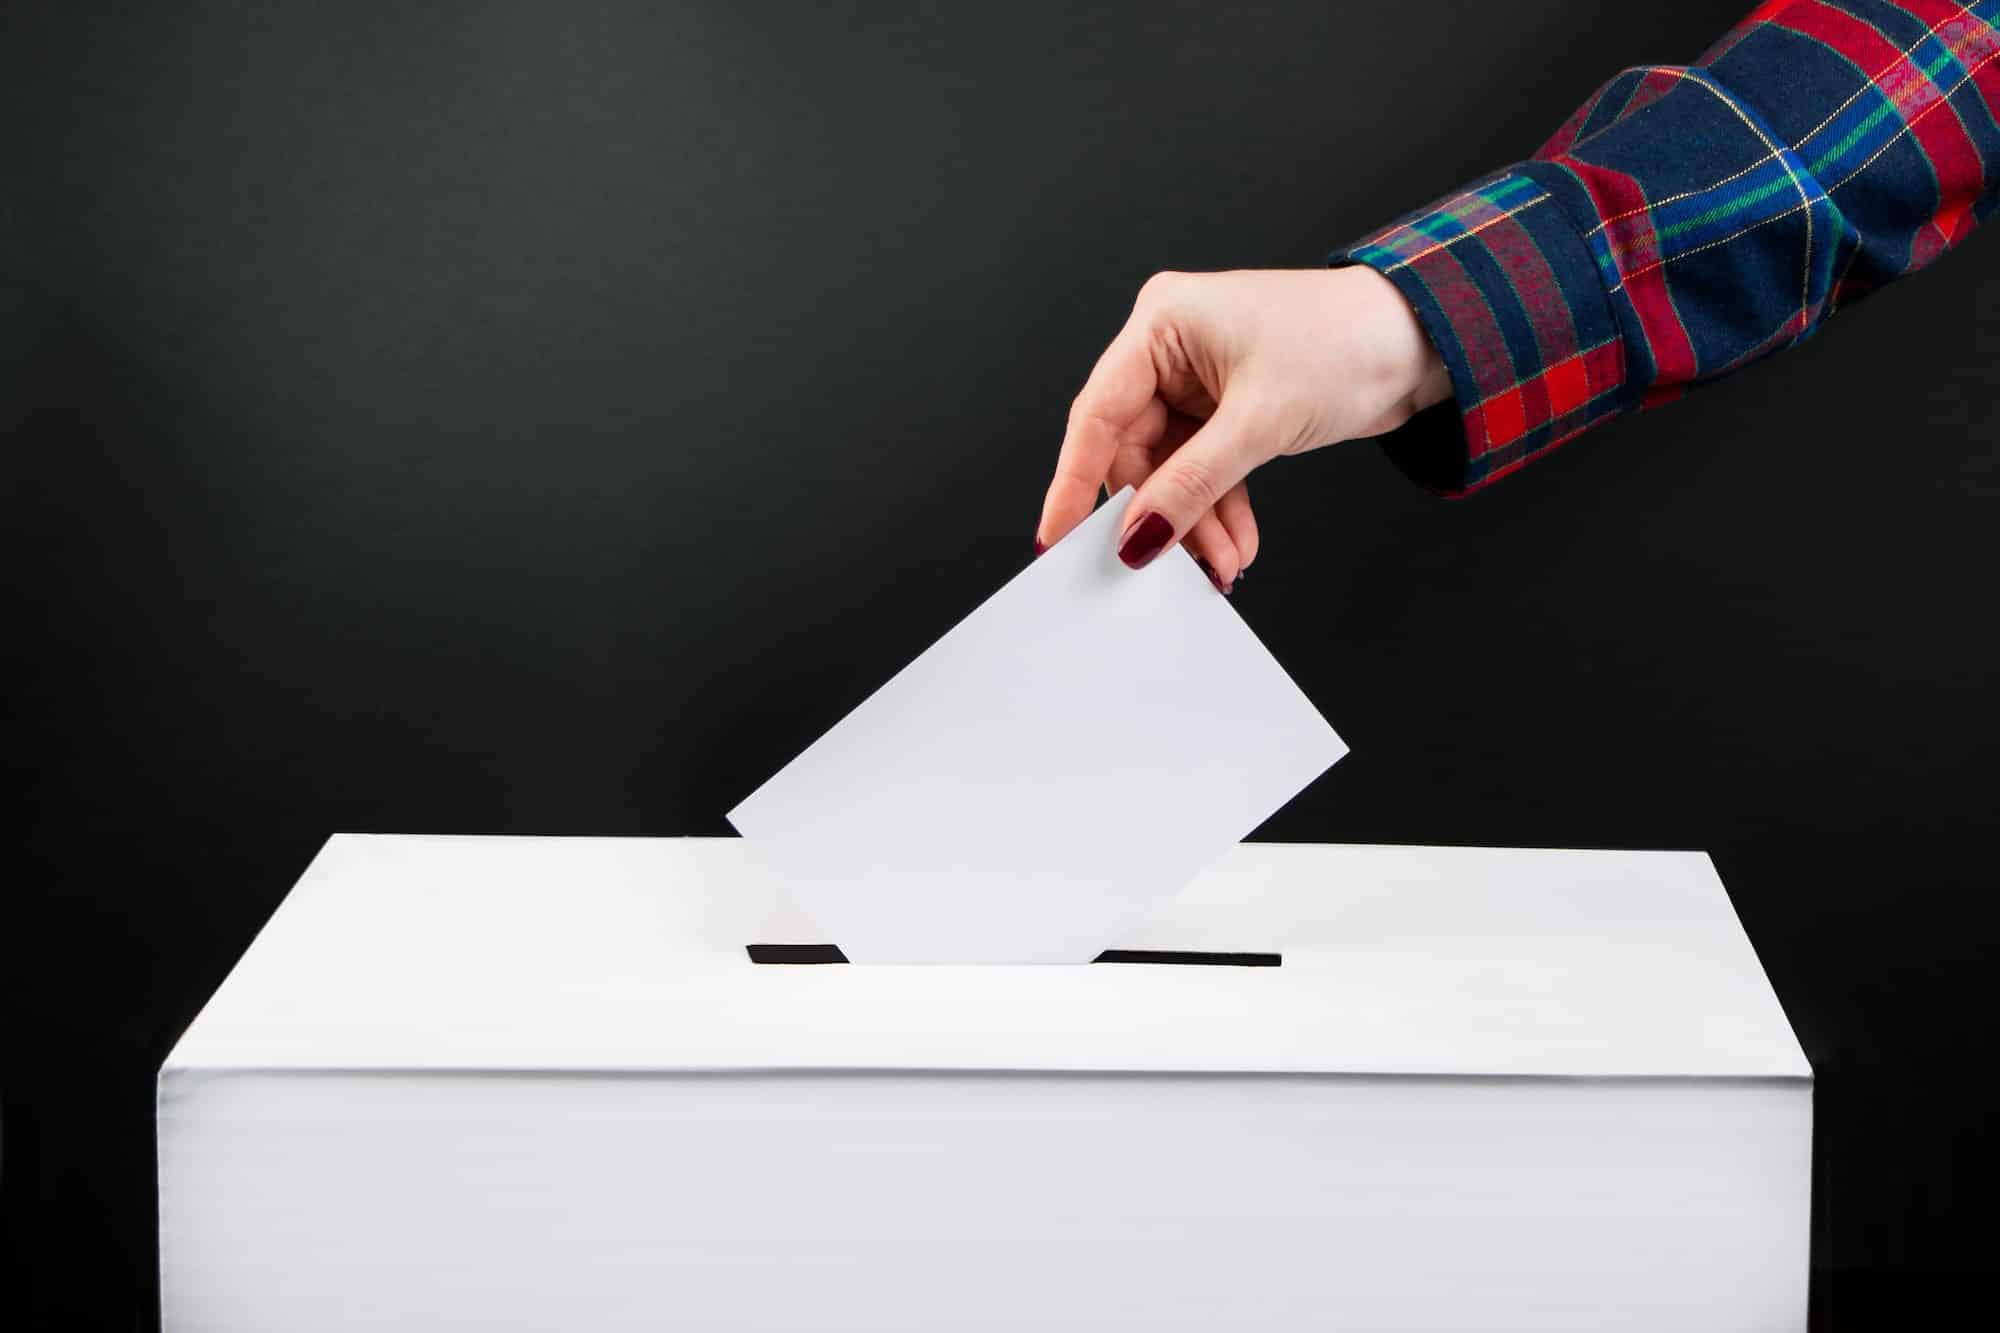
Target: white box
(535, 1083)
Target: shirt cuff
(1506, 287)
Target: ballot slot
(808, 955)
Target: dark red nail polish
(1040, 546)
(1147, 538)
(1209, 570)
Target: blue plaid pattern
(1688, 220)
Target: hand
(1217, 373)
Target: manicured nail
(1040, 546)
(1209, 570)
(1145, 539)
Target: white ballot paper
(1050, 771)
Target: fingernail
(1209, 570)
(1040, 546)
(1144, 540)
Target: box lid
(415, 952)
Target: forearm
(1688, 220)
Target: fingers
(1211, 543)
(1240, 523)
(1117, 406)
(1190, 483)
(1224, 540)
(1213, 549)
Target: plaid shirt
(1690, 219)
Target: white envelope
(1046, 774)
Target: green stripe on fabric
(1876, 117)
(1725, 208)
(1511, 185)
(1444, 223)
(1846, 145)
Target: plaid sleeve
(1688, 220)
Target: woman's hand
(1216, 373)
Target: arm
(1684, 222)
(1688, 220)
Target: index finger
(1115, 400)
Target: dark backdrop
(547, 418)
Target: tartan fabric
(1690, 219)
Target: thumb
(1189, 484)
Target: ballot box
(584, 1084)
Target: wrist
(1433, 380)
(1406, 367)
(1417, 372)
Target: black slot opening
(810, 954)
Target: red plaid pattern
(1686, 221)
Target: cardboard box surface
(534, 1083)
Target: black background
(549, 417)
